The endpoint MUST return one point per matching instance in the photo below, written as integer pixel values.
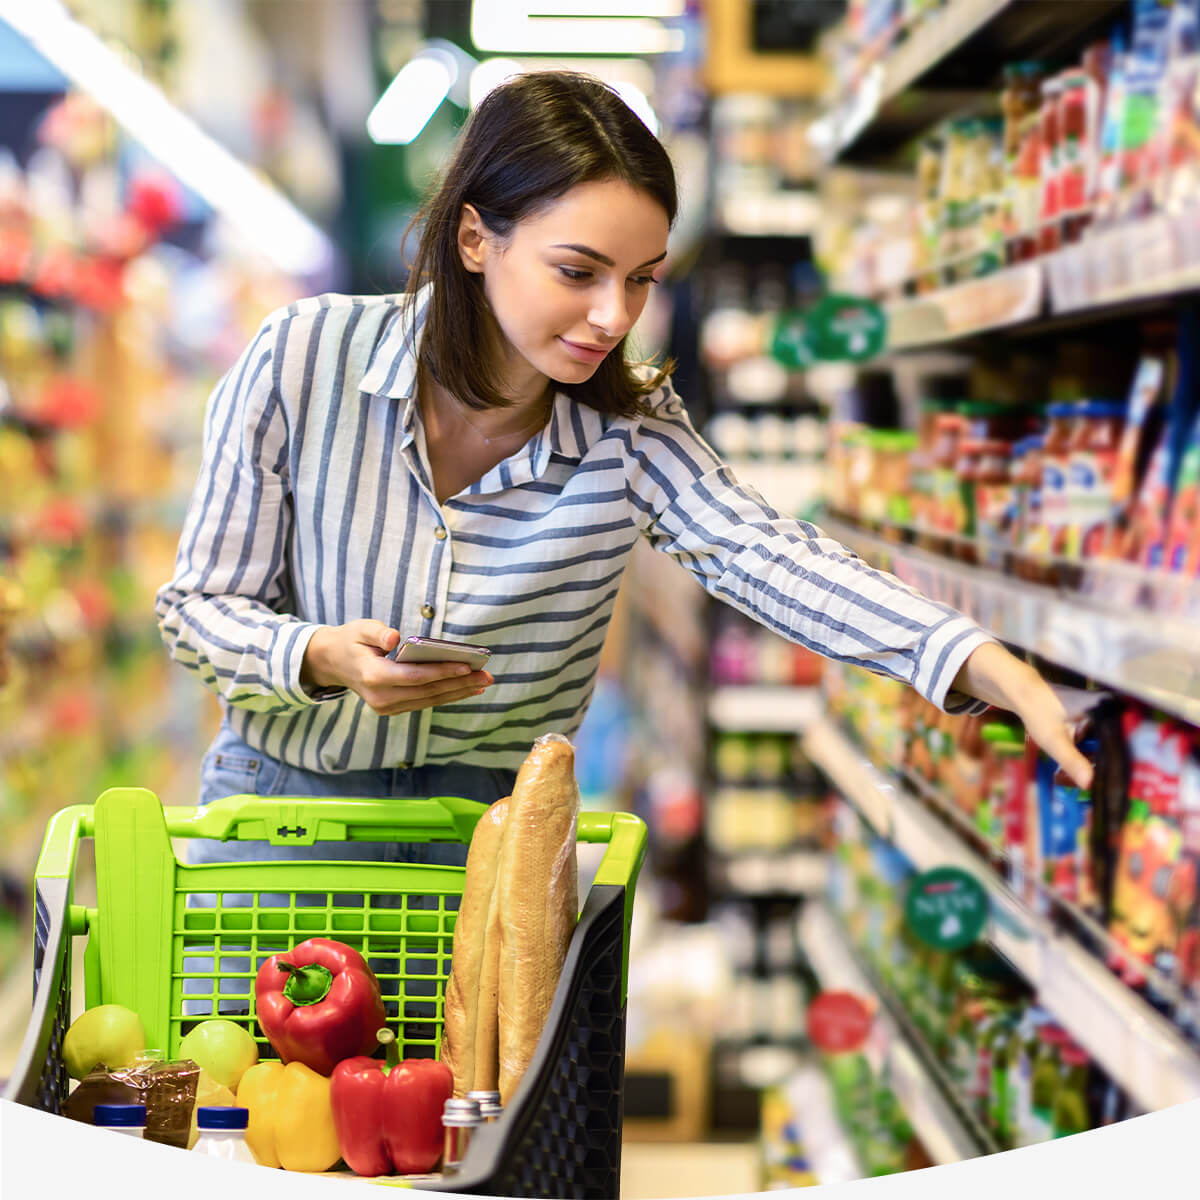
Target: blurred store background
(999, 200)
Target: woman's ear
(472, 239)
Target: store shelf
(1013, 296)
(1137, 1046)
(1153, 656)
(763, 709)
(942, 1131)
(1132, 270)
(946, 63)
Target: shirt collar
(392, 371)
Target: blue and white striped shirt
(314, 506)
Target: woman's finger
(1060, 746)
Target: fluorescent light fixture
(259, 212)
(639, 102)
(412, 98)
(491, 73)
(660, 9)
(506, 27)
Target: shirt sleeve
(784, 573)
(224, 614)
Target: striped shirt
(314, 505)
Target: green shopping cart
(180, 943)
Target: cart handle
(304, 821)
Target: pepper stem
(306, 985)
(391, 1050)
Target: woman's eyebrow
(588, 252)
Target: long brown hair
(528, 143)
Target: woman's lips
(584, 352)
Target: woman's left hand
(991, 673)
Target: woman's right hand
(354, 656)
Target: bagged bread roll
(537, 898)
(464, 1010)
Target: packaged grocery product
(1020, 99)
(167, 1091)
(946, 506)
(1064, 821)
(995, 501)
(1091, 465)
(1051, 194)
(1045, 1081)
(1187, 948)
(1069, 1112)
(223, 1133)
(1025, 1131)
(1078, 127)
(1026, 475)
(1025, 192)
(1143, 536)
(1150, 887)
(1183, 526)
(1049, 538)
(1000, 817)
(1110, 799)
(1145, 397)
(129, 1119)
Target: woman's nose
(611, 312)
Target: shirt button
(440, 533)
(427, 611)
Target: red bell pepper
(318, 1003)
(388, 1115)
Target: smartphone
(436, 650)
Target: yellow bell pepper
(208, 1091)
(291, 1118)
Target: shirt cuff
(948, 647)
(287, 658)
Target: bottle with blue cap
(121, 1118)
(222, 1130)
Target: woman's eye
(643, 280)
(575, 274)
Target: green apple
(109, 1033)
(224, 1049)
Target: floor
(660, 1171)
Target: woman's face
(571, 280)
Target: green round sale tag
(847, 328)
(835, 329)
(946, 908)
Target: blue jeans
(232, 767)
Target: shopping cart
(178, 942)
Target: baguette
(537, 900)
(462, 1006)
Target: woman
(476, 461)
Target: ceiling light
(639, 102)
(412, 98)
(261, 214)
(506, 27)
(491, 73)
(662, 9)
